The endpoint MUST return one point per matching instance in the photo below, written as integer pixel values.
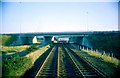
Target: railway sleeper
(82, 65)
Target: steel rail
(46, 60)
(74, 62)
(88, 63)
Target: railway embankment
(37, 63)
(18, 65)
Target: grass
(10, 49)
(109, 69)
(17, 66)
(105, 57)
(32, 48)
(35, 55)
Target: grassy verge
(108, 68)
(35, 55)
(105, 57)
(17, 66)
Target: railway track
(70, 70)
(84, 67)
(31, 73)
(49, 67)
(62, 62)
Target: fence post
(80, 47)
(111, 54)
(87, 48)
(83, 47)
(103, 52)
(96, 50)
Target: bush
(32, 48)
(15, 66)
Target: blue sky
(58, 16)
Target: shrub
(32, 48)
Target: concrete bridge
(31, 38)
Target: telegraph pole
(20, 17)
(87, 21)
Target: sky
(32, 16)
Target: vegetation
(10, 49)
(107, 42)
(105, 57)
(15, 66)
(35, 55)
(109, 68)
(7, 39)
(32, 48)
